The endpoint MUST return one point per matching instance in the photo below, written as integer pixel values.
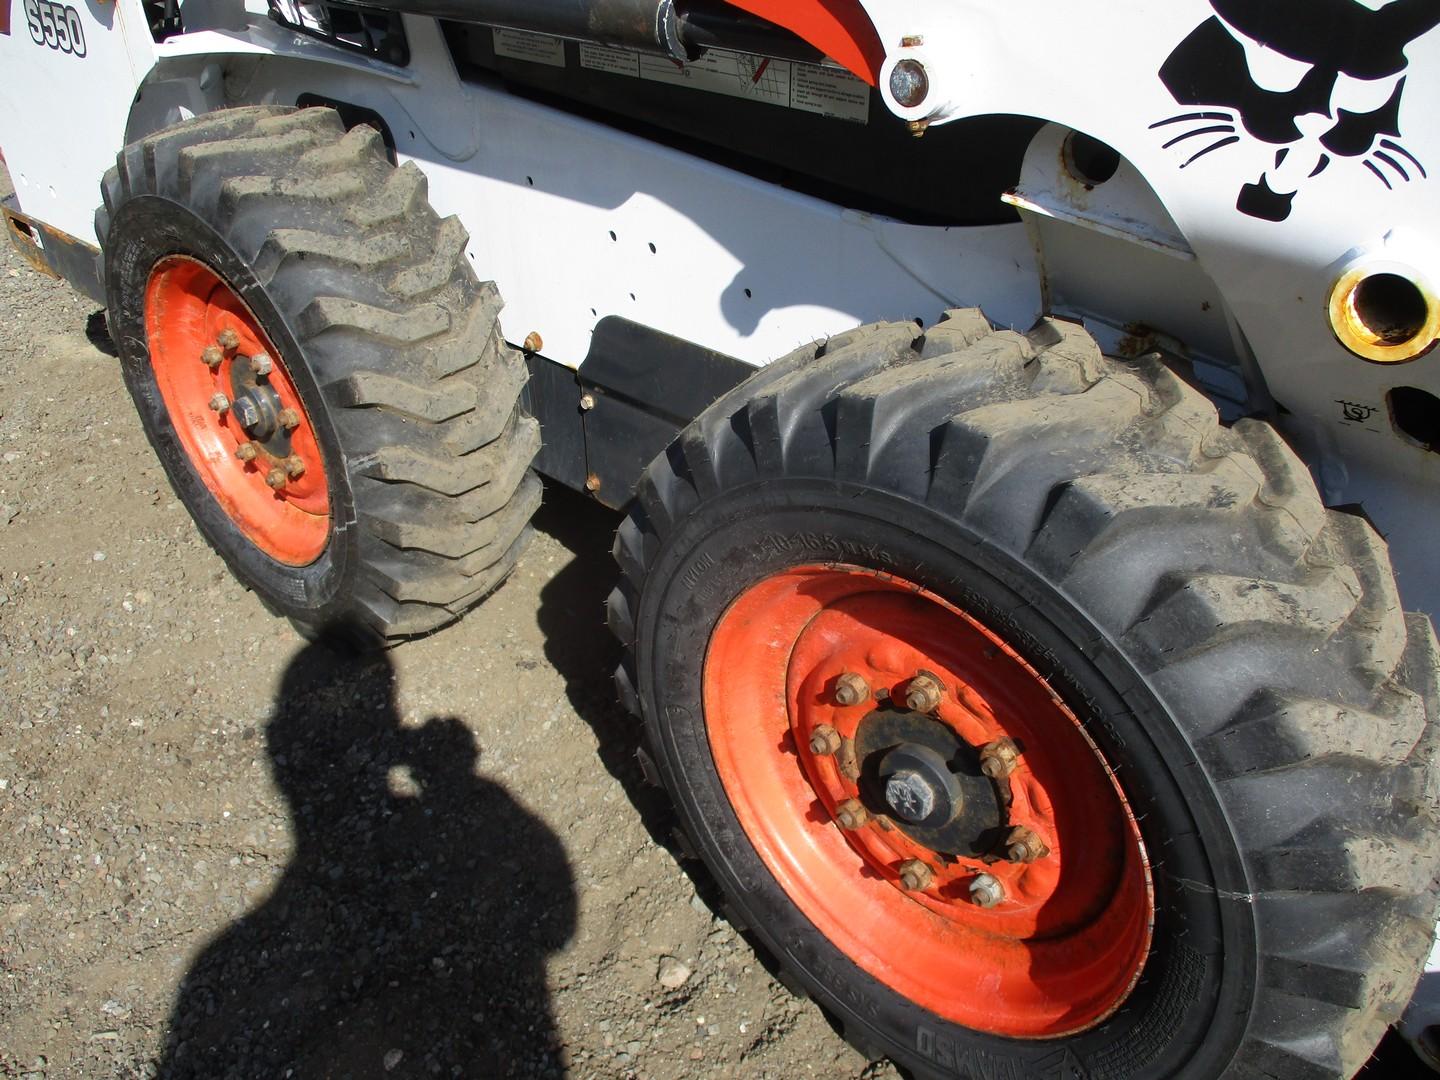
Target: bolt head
(851, 814)
(909, 84)
(986, 890)
(1000, 758)
(924, 693)
(851, 689)
(276, 478)
(246, 451)
(295, 466)
(229, 340)
(246, 412)
(825, 740)
(1025, 845)
(211, 355)
(533, 342)
(219, 403)
(587, 402)
(261, 364)
(915, 875)
(289, 419)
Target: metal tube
(646, 25)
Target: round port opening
(1384, 315)
(1088, 160)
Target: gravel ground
(441, 863)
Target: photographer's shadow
(409, 934)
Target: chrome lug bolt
(986, 891)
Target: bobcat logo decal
(1320, 79)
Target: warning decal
(808, 87)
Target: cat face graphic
(1320, 79)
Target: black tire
(392, 344)
(1238, 650)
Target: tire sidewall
(144, 230)
(1187, 1012)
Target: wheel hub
(928, 780)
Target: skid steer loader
(1008, 402)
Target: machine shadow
(581, 648)
(408, 936)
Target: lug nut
(923, 693)
(1025, 845)
(261, 363)
(851, 689)
(229, 340)
(276, 478)
(825, 740)
(246, 451)
(999, 758)
(852, 814)
(294, 466)
(986, 890)
(212, 355)
(915, 875)
(219, 403)
(289, 419)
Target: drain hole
(1089, 160)
(1390, 308)
(1416, 415)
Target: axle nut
(923, 693)
(229, 340)
(261, 363)
(246, 451)
(212, 355)
(986, 890)
(825, 740)
(219, 402)
(276, 478)
(851, 689)
(851, 814)
(915, 875)
(999, 758)
(1025, 845)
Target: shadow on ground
(408, 936)
(581, 648)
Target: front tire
(1254, 893)
(317, 368)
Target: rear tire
(1236, 653)
(315, 247)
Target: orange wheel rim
(1066, 938)
(236, 412)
